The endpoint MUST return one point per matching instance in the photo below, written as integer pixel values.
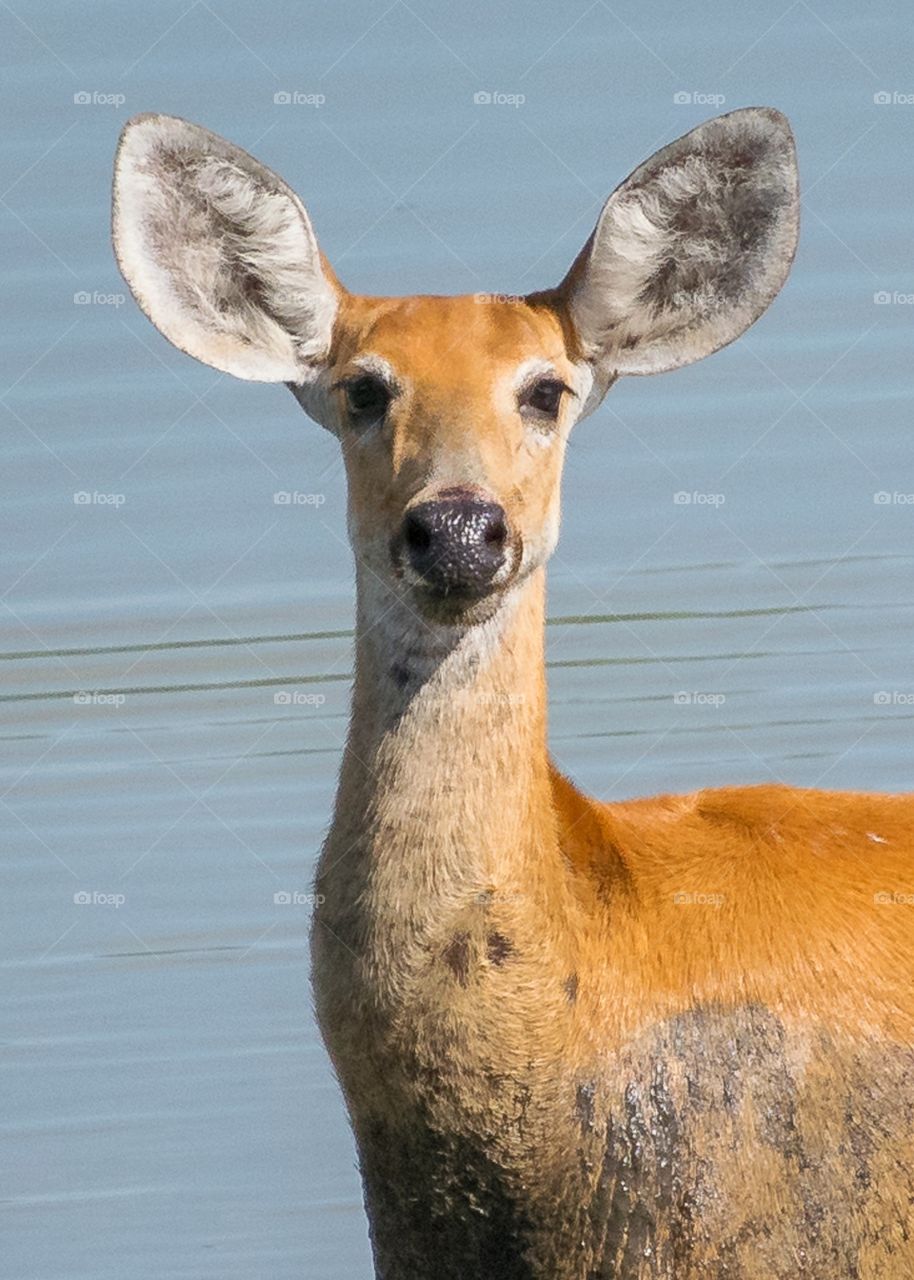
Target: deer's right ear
(220, 253)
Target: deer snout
(456, 543)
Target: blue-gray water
(167, 1108)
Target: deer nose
(457, 544)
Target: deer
(554, 1066)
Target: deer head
(453, 412)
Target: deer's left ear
(690, 249)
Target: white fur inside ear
(219, 252)
(691, 248)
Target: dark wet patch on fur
(498, 948)
(584, 1105)
(456, 956)
(715, 1143)
(571, 988)
(442, 1207)
(719, 1123)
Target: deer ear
(220, 253)
(690, 249)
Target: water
(168, 1109)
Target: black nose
(457, 544)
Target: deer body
(555, 1070)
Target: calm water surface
(176, 651)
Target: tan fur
(662, 1039)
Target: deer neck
(444, 792)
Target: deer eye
(367, 398)
(543, 398)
